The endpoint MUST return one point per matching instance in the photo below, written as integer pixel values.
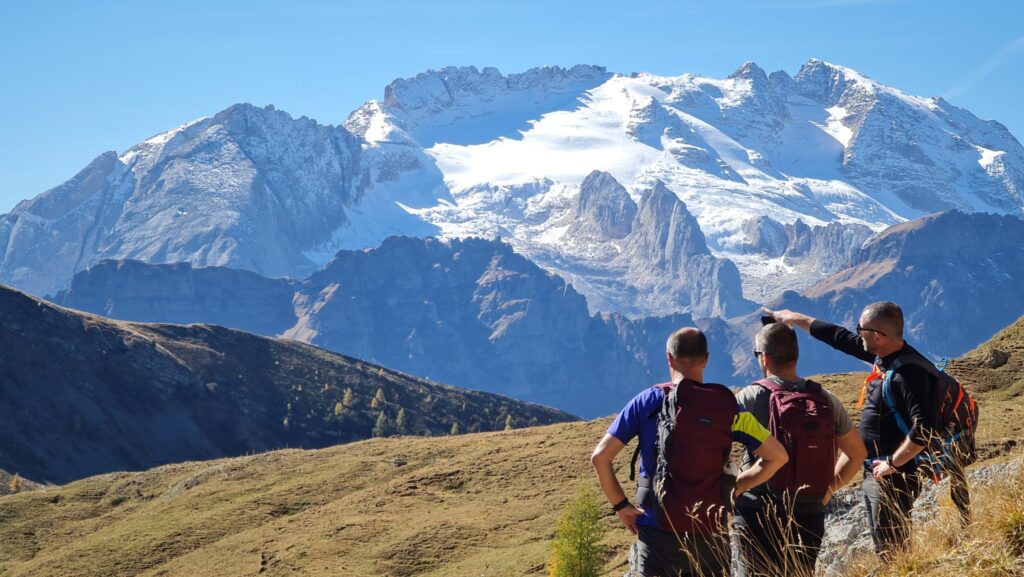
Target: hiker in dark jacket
(780, 528)
(891, 480)
(659, 551)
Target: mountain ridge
(505, 156)
(83, 394)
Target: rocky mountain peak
(435, 90)
(750, 71)
(668, 259)
(665, 229)
(821, 81)
(604, 207)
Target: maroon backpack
(805, 425)
(693, 446)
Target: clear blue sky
(80, 78)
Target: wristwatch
(621, 504)
(888, 461)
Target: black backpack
(953, 415)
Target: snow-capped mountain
(827, 146)
(247, 188)
(784, 176)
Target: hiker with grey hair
(780, 524)
(891, 480)
(686, 429)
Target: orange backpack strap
(876, 373)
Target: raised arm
(832, 335)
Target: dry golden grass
(484, 504)
(992, 546)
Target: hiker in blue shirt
(690, 537)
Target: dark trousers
(889, 501)
(959, 493)
(776, 541)
(658, 553)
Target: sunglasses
(861, 329)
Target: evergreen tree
(455, 428)
(378, 398)
(577, 550)
(508, 423)
(380, 428)
(347, 399)
(400, 421)
(338, 409)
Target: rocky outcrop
(668, 259)
(604, 208)
(826, 249)
(848, 533)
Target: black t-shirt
(910, 388)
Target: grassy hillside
(81, 395)
(481, 504)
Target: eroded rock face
(667, 257)
(824, 249)
(604, 208)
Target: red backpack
(693, 446)
(803, 422)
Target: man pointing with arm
(891, 483)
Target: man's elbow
(776, 459)
(782, 459)
(857, 453)
(853, 447)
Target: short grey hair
(889, 315)
(687, 342)
(778, 341)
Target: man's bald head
(687, 343)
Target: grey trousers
(658, 553)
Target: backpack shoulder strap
(815, 387)
(770, 385)
(665, 388)
(891, 403)
(916, 360)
